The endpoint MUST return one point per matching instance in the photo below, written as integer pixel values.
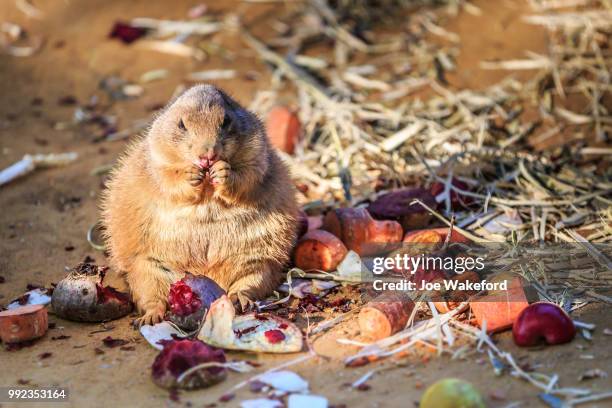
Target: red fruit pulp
(183, 300)
(543, 321)
(109, 294)
(274, 336)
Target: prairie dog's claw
(220, 172)
(150, 317)
(196, 176)
(242, 302)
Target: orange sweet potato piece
(500, 309)
(23, 323)
(454, 298)
(320, 250)
(283, 127)
(385, 315)
(432, 237)
(361, 233)
(424, 236)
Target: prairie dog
(204, 192)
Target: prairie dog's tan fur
(202, 192)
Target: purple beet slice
(82, 297)
(178, 356)
(396, 206)
(190, 298)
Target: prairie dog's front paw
(219, 173)
(153, 315)
(196, 175)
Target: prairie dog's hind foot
(150, 283)
(254, 286)
(242, 301)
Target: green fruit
(452, 393)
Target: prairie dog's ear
(229, 101)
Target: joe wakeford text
(407, 264)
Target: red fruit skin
(190, 298)
(207, 289)
(543, 321)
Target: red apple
(543, 320)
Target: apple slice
(260, 332)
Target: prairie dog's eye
(181, 125)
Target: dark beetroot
(83, 297)
(396, 205)
(178, 356)
(190, 298)
(543, 321)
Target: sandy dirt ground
(44, 217)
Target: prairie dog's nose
(210, 154)
(208, 158)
